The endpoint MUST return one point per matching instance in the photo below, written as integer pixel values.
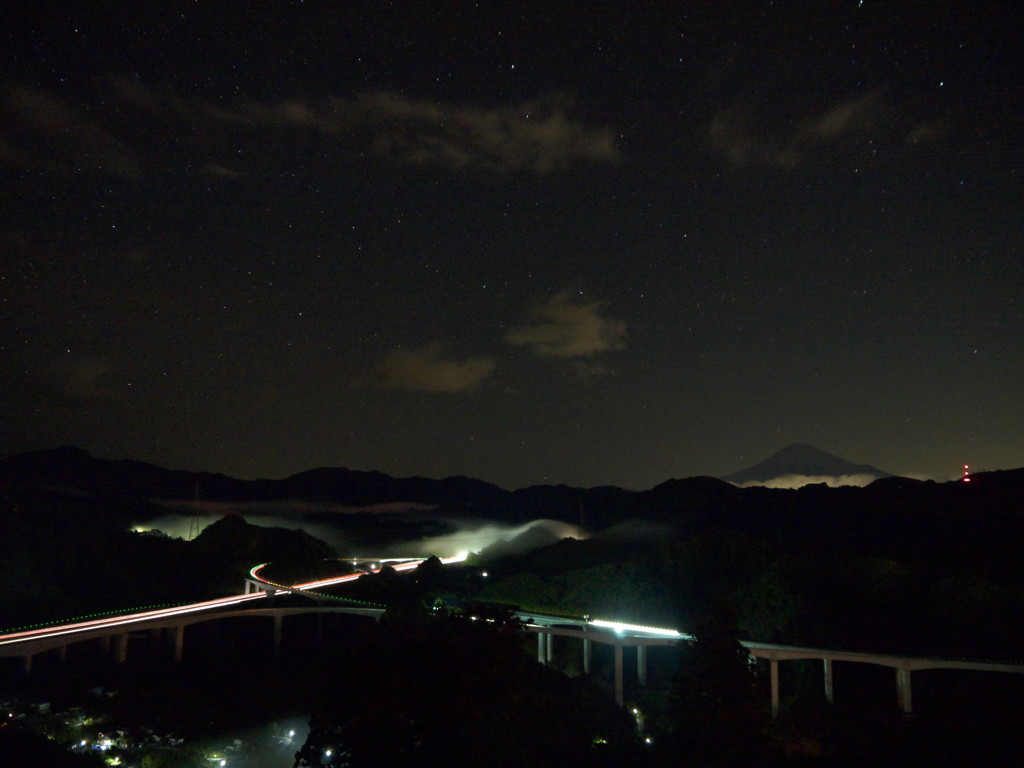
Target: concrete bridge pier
(587, 651)
(774, 666)
(544, 647)
(904, 694)
(774, 674)
(641, 665)
(28, 663)
(121, 648)
(179, 641)
(278, 619)
(618, 671)
(829, 696)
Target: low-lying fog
(350, 537)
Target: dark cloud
(43, 130)
(427, 369)
(859, 113)
(537, 137)
(928, 133)
(85, 380)
(561, 327)
(745, 140)
(534, 137)
(221, 171)
(732, 133)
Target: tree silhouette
(715, 717)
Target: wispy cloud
(854, 114)
(85, 380)
(104, 130)
(46, 131)
(561, 327)
(427, 369)
(221, 171)
(744, 139)
(538, 137)
(930, 132)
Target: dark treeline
(66, 556)
(794, 596)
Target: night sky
(523, 243)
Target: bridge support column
(270, 595)
(540, 648)
(179, 641)
(641, 665)
(549, 643)
(904, 694)
(28, 663)
(774, 664)
(248, 586)
(62, 657)
(121, 649)
(828, 681)
(105, 643)
(587, 650)
(277, 636)
(618, 671)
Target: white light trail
(620, 627)
(127, 619)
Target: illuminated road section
(128, 619)
(618, 634)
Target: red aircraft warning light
(967, 474)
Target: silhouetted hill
(72, 469)
(363, 488)
(971, 527)
(802, 460)
(907, 548)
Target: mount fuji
(801, 464)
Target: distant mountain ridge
(803, 460)
(72, 469)
(936, 516)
